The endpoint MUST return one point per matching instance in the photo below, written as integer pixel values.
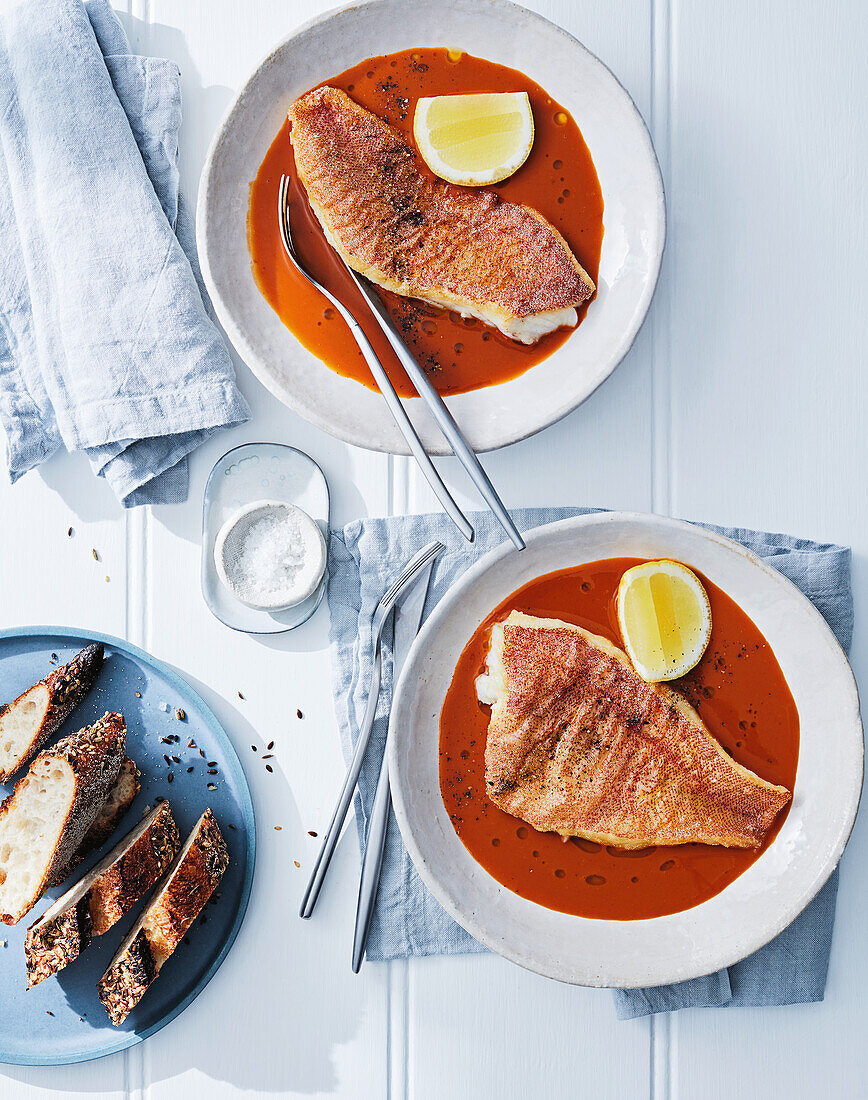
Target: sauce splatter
(460, 354)
(737, 688)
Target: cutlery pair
(424, 387)
(416, 574)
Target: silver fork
(409, 573)
(382, 379)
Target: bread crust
(112, 812)
(67, 686)
(191, 880)
(94, 755)
(50, 945)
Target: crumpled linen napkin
(105, 343)
(365, 557)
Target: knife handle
(372, 862)
(330, 840)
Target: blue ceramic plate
(62, 1020)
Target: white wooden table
(743, 402)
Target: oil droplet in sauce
(557, 165)
(601, 882)
(328, 314)
(430, 327)
(521, 832)
(459, 348)
(560, 873)
(454, 56)
(391, 86)
(561, 118)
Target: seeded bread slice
(28, 722)
(191, 880)
(111, 813)
(47, 816)
(100, 899)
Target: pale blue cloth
(364, 560)
(105, 343)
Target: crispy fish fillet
(580, 745)
(456, 247)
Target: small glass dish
(243, 475)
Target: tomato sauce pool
(737, 688)
(558, 179)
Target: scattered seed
(268, 756)
(240, 696)
(48, 1013)
(95, 555)
(164, 707)
(310, 832)
(189, 769)
(270, 746)
(138, 695)
(171, 777)
(212, 786)
(54, 658)
(234, 829)
(70, 533)
(107, 579)
(255, 749)
(269, 768)
(300, 715)
(3, 943)
(278, 828)
(180, 714)
(212, 763)
(176, 760)
(212, 771)
(166, 740)
(202, 754)
(159, 798)
(191, 744)
(295, 861)
(168, 759)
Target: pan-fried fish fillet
(579, 744)
(460, 248)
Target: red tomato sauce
(558, 179)
(737, 688)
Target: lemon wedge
(474, 139)
(665, 619)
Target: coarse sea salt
(271, 555)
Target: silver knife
(408, 619)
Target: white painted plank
(768, 401)
(480, 1027)
(301, 1022)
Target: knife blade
(408, 620)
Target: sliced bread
(191, 880)
(112, 812)
(37, 713)
(98, 901)
(47, 816)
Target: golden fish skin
(461, 248)
(579, 744)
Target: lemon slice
(665, 619)
(474, 139)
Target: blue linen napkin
(365, 557)
(105, 342)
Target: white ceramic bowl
(634, 217)
(753, 908)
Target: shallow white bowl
(634, 217)
(752, 909)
